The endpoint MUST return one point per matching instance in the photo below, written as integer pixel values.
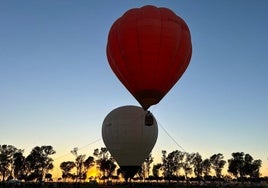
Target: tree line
(174, 166)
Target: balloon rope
(93, 142)
(172, 138)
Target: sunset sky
(56, 86)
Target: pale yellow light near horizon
(94, 173)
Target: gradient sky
(56, 86)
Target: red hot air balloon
(149, 49)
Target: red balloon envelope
(149, 49)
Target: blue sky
(56, 86)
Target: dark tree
(39, 162)
(236, 164)
(105, 162)
(19, 165)
(89, 162)
(217, 164)
(144, 171)
(79, 160)
(242, 165)
(206, 168)
(167, 166)
(197, 163)
(255, 169)
(6, 161)
(156, 168)
(252, 167)
(66, 167)
(48, 177)
(82, 164)
(187, 164)
(171, 163)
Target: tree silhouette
(206, 168)
(48, 177)
(7, 160)
(66, 167)
(171, 164)
(251, 166)
(167, 166)
(156, 171)
(242, 165)
(105, 162)
(39, 162)
(187, 165)
(144, 171)
(19, 165)
(89, 162)
(255, 169)
(82, 164)
(36, 166)
(217, 164)
(197, 165)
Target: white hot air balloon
(128, 138)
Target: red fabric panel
(149, 49)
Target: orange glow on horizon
(93, 173)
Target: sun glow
(93, 173)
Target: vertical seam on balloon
(161, 40)
(171, 84)
(138, 13)
(117, 38)
(123, 58)
(109, 51)
(184, 63)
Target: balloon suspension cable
(171, 137)
(93, 142)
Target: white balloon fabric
(128, 138)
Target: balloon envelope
(127, 137)
(149, 49)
